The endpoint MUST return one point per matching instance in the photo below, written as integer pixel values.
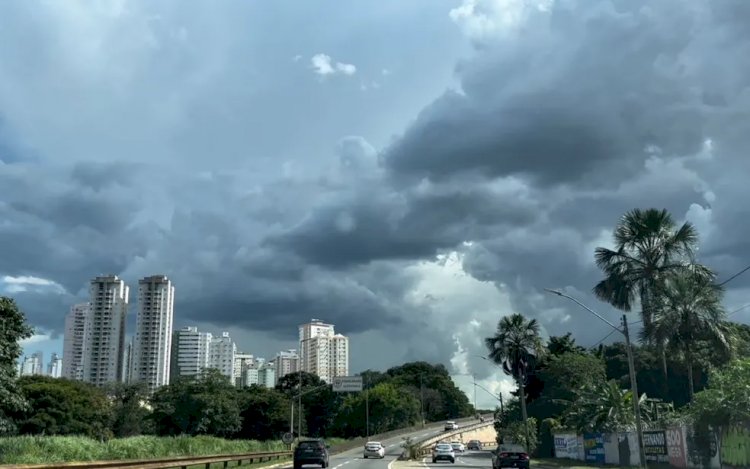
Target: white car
(450, 425)
(374, 449)
(458, 447)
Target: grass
(54, 449)
(554, 463)
(50, 449)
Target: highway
(468, 459)
(353, 459)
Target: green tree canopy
(208, 404)
(64, 407)
(390, 409)
(265, 413)
(13, 329)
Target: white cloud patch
(26, 283)
(484, 19)
(323, 65)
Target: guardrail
(164, 463)
(357, 442)
(422, 446)
(207, 461)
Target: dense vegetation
(692, 362)
(210, 405)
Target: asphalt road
(353, 459)
(469, 459)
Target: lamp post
(631, 365)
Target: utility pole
(421, 397)
(299, 406)
(367, 407)
(631, 366)
(634, 386)
(474, 379)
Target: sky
(408, 171)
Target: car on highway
(374, 449)
(458, 447)
(516, 458)
(474, 445)
(443, 452)
(450, 425)
(311, 452)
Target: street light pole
(631, 365)
(421, 397)
(367, 408)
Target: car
(458, 447)
(443, 452)
(374, 449)
(450, 425)
(516, 458)
(311, 452)
(474, 445)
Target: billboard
(655, 445)
(347, 384)
(566, 446)
(593, 447)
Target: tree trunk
(524, 414)
(691, 386)
(665, 383)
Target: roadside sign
(287, 438)
(347, 384)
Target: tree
(13, 329)
(604, 407)
(648, 248)
(516, 346)
(689, 309)
(390, 409)
(433, 385)
(64, 407)
(129, 409)
(203, 405)
(265, 413)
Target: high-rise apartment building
(190, 352)
(267, 375)
(221, 355)
(286, 362)
(104, 344)
(152, 343)
(33, 365)
(323, 352)
(241, 361)
(249, 375)
(54, 368)
(74, 341)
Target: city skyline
(99, 349)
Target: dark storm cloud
(577, 97)
(559, 125)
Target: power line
(735, 275)
(604, 338)
(738, 309)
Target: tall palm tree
(689, 309)
(648, 248)
(516, 345)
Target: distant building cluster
(95, 349)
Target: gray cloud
(270, 197)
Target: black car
(503, 459)
(311, 452)
(474, 445)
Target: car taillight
(503, 455)
(524, 456)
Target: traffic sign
(347, 384)
(287, 438)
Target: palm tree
(604, 406)
(648, 249)
(516, 345)
(688, 310)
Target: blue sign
(593, 447)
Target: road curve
(352, 459)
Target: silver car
(443, 452)
(374, 449)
